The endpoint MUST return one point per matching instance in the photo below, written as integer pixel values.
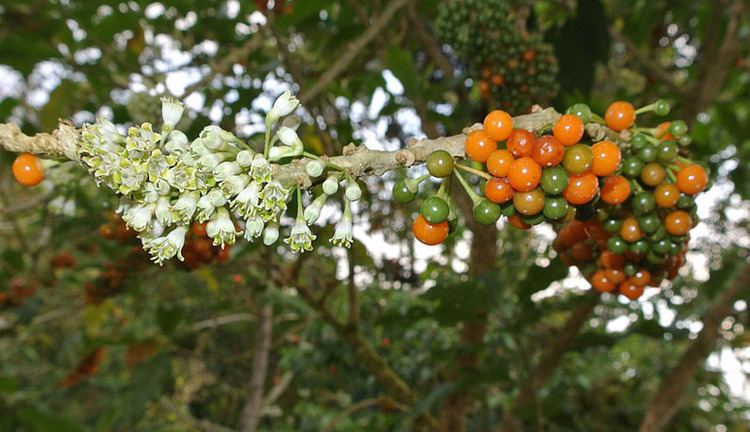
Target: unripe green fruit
(617, 245)
(555, 208)
(554, 180)
(632, 167)
(648, 153)
(486, 213)
(440, 164)
(581, 110)
(435, 210)
(661, 107)
(678, 128)
(667, 151)
(640, 247)
(402, 194)
(638, 141)
(578, 158)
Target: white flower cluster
(166, 182)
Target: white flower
(300, 239)
(284, 104)
(344, 230)
(109, 131)
(270, 234)
(225, 170)
(185, 206)
(312, 212)
(221, 228)
(171, 112)
(235, 184)
(248, 199)
(314, 168)
(177, 142)
(163, 211)
(209, 161)
(164, 248)
(274, 196)
(289, 137)
(245, 158)
(353, 191)
(331, 185)
(260, 169)
(253, 227)
(204, 208)
(139, 217)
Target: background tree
(489, 332)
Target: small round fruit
(678, 128)
(632, 167)
(643, 202)
(601, 282)
(440, 164)
(653, 174)
(430, 234)
(498, 125)
(616, 275)
(554, 180)
(630, 230)
(667, 151)
(568, 129)
(616, 190)
(581, 188)
(641, 277)
(678, 223)
(486, 212)
(28, 170)
(691, 179)
(606, 158)
(617, 245)
(620, 115)
(402, 194)
(630, 290)
(435, 210)
(516, 221)
(662, 131)
(581, 110)
(479, 145)
(555, 208)
(521, 142)
(661, 107)
(640, 247)
(524, 174)
(661, 247)
(498, 162)
(612, 225)
(548, 151)
(578, 158)
(649, 223)
(648, 153)
(611, 260)
(639, 141)
(529, 203)
(685, 202)
(666, 195)
(498, 190)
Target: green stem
(637, 186)
(646, 108)
(300, 211)
(598, 119)
(267, 142)
(473, 171)
(469, 191)
(671, 176)
(684, 160)
(310, 155)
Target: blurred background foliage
(389, 335)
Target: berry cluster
(625, 202)
(515, 77)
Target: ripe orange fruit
(692, 179)
(616, 190)
(498, 190)
(607, 158)
(517, 222)
(28, 170)
(666, 195)
(678, 223)
(601, 282)
(662, 131)
(498, 125)
(524, 174)
(581, 188)
(641, 278)
(620, 115)
(631, 230)
(568, 129)
(548, 151)
(499, 161)
(479, 145)
(430, 234)
(521, 142)
(630, 290)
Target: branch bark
(548, 363)
(251, 412)
(665, 403)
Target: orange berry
(198, 229)
(498, 125)
(653, 174)
(521, 142)
(27, 170)
(524, 174)
(692, 179)
(616, 275)
(581, 188)
(616, 190)
(430, 234)
(548, 151)
(529, 203)
(498, 162)
(641, 278)
(620, 115)
(581, 251)
(630, 290)
(498, 190)
(607, 158)
(517, 222)
(662, 131)
(568, 129)
(601, 282)
(479, 145)
(666, 195)
(611, 260)
(631, 230)
(678, 223)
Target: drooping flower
(284, 104)
(312, 212)
(331, 184)
(344, 234)
(300, 239)
(139, 217)
(247, 200)
(171, 112)
(253, 227)
(353, 191)
(270, 234)
(221, 228)
(167, 247)
(185, 206)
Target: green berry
(667, 151)
(640, 247)
(685, 202)
(655, 258)
(630, 269)
(648, 153)
(632, 166)
(613, 225)
(685, 140)
(617, 245)
(533, 219)
(555, 208)
(486, 213)
(661, 246)
(649, 223)
(508, 209)
(643, 202)
(554, 180)
(435, 210)
(639, 141)
(402, 194)
(661, 107)
(578, 158)
(678, 128)
(440, 164)
(581, 110)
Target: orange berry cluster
(628, 195)
(199, 249)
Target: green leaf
(60, 105)
(401, 63)
(35, 420)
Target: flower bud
(353, 191)
(331, 185)
(314, 168)
(270, 234)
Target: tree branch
(251, 412)
(548, 363)
(665, 403)
(352, 50)
(62, 143)
(648, 63)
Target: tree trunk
(251, 412)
